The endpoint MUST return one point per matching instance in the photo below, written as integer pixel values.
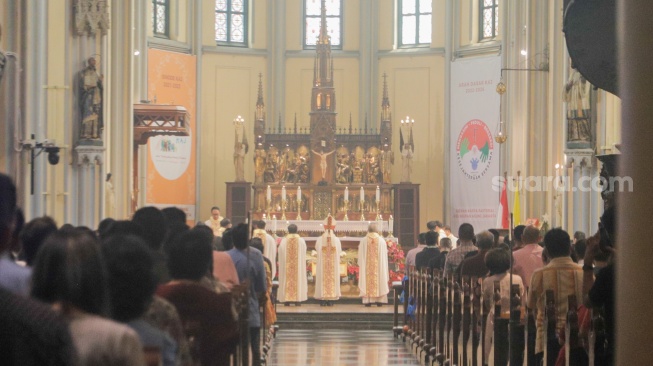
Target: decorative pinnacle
(259, 99)
(324, 36)
(386, 99)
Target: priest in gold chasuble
(373, 263)
(327, 277)
(269, 245)
(293, 286)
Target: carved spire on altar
(385, 103)
(323, 109)
(259, 119)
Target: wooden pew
(467, 319)
(575, 354)
(477, 315)
(449, 315)
(500, 340)
(596, 339)
(550, 341)
(442, 316)
(531, 334)
(397, 288)
(456, 323)
(435, 304)
(517, 334)
(428, 319)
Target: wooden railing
(448, 324)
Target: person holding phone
(599, 292)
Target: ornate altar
(307, 173)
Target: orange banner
(171, 173)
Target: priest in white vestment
(214, 221)
(373, 263)
(293, 286)
(327, 276)
(269, 245)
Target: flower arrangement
(353, 271)
(397, 259)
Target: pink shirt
(527, 260)
(224, 269)
(412, 254)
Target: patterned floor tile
(338, 348)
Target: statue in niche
(387, 160)
(259, 165)
(357, 168)
(91, 101)
(292, 173)
(304, 171)
(283, 165)
(343, 169)
(269, 176)
(373, 169)
(577, 96)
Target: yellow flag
(516, 208)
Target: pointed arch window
(312, 21)
(161, 18)
(488, 19)
(231, 22)
(415, 22)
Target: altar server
(293, 286)
(269, 245)
(327, 278)
(373, 263)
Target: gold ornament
(501, 88)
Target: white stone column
(120, 134)
(34, 71)
(89, 160)
(581, 162)
(634, 255)
(586, 167)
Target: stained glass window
(312, 20)
(161, 18)
(489, 19)
(231, 22)
(415, 22)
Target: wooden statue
(91, 87)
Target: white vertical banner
(474, 154)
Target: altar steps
(340, 316)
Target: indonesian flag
(502, 213)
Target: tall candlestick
(378, 194)
(346, 193)
(362, 198)
(283, 193)
(269, 194)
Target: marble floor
(346, 347)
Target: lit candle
(299, 194)
(283, 193)
(269, 195)
(391, 222)
(346, 193)
(362, 195)
(378, 194)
